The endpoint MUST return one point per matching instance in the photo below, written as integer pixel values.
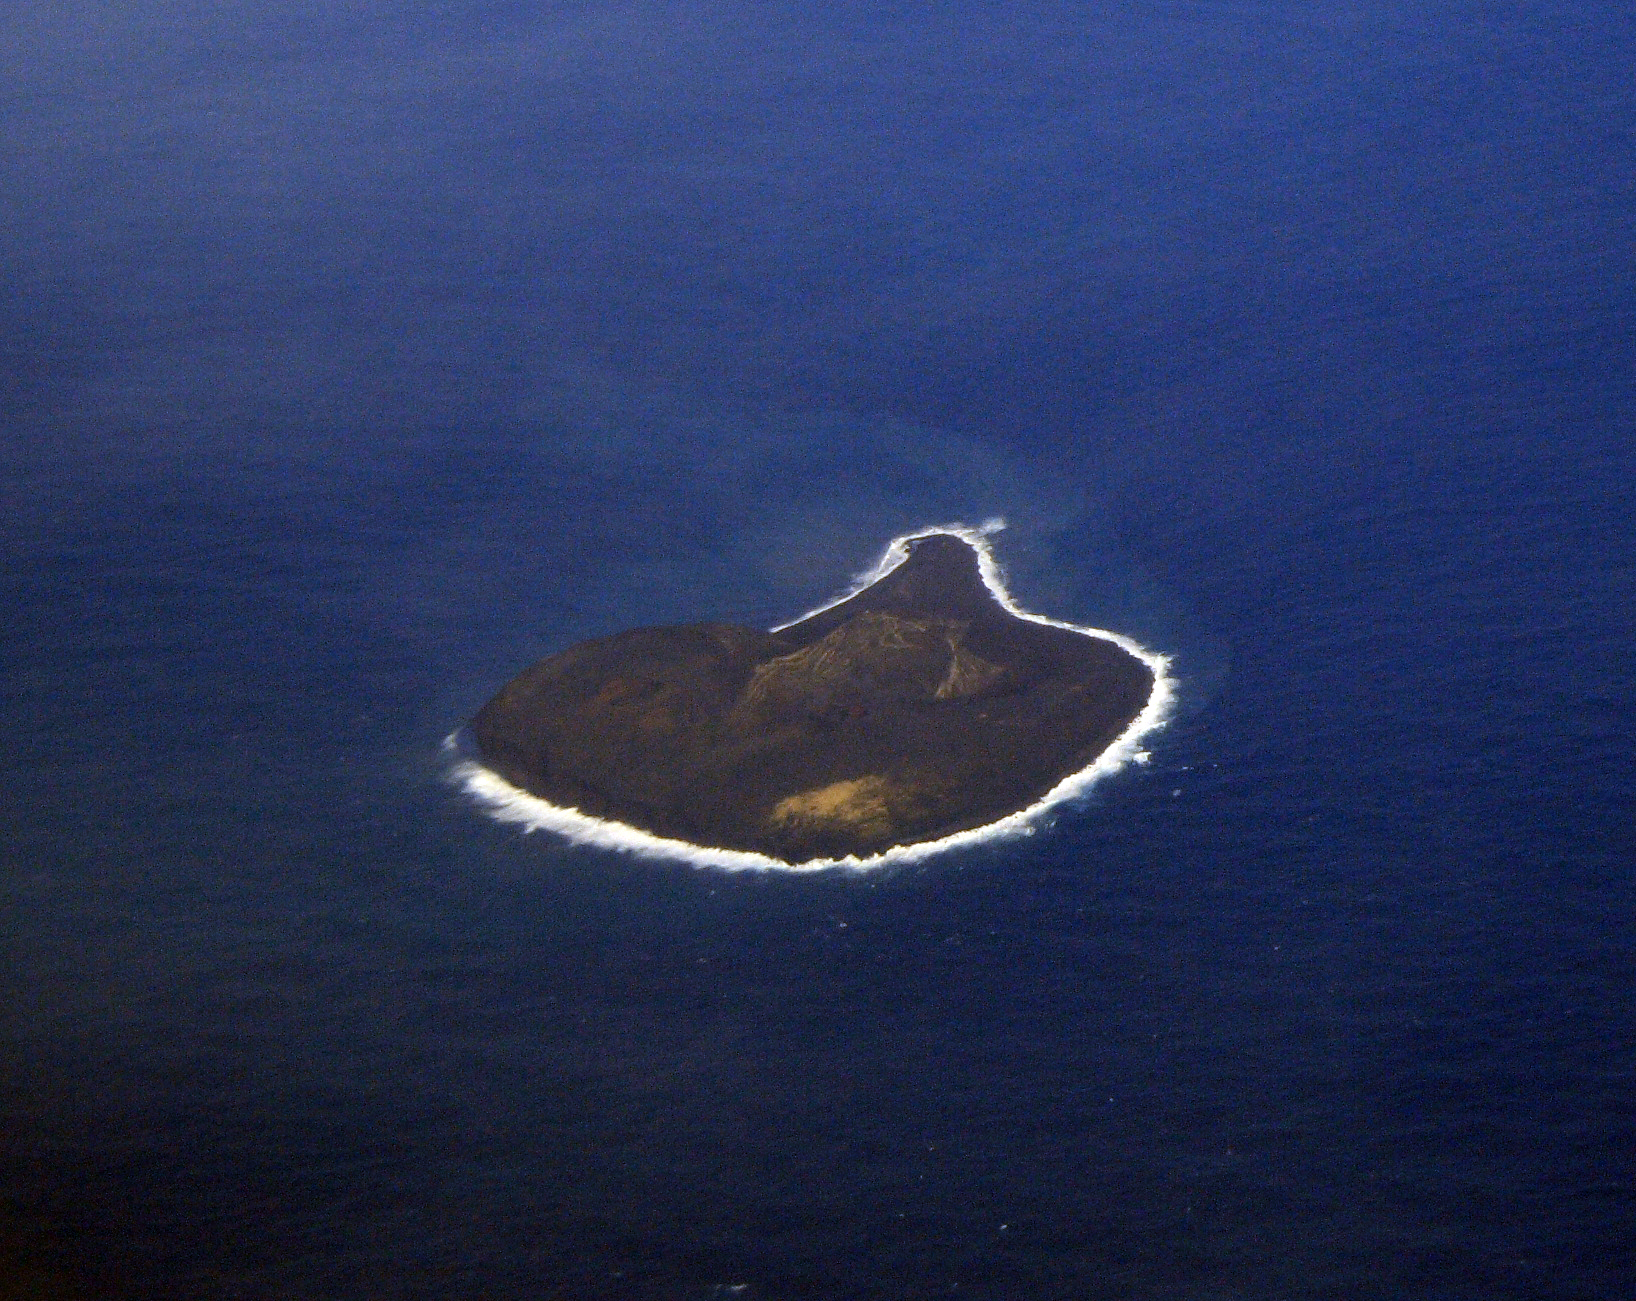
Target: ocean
(358, 355)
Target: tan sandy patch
(863, 803)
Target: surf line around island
(508, 804)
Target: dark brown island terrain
(915, 709)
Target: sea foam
(506, 803)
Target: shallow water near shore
(366, 354)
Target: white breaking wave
(506, 803)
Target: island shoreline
(508, 803)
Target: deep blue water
(358, 354)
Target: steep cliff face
(918, 708)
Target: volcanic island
(921, 707)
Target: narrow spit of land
(918, 708)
